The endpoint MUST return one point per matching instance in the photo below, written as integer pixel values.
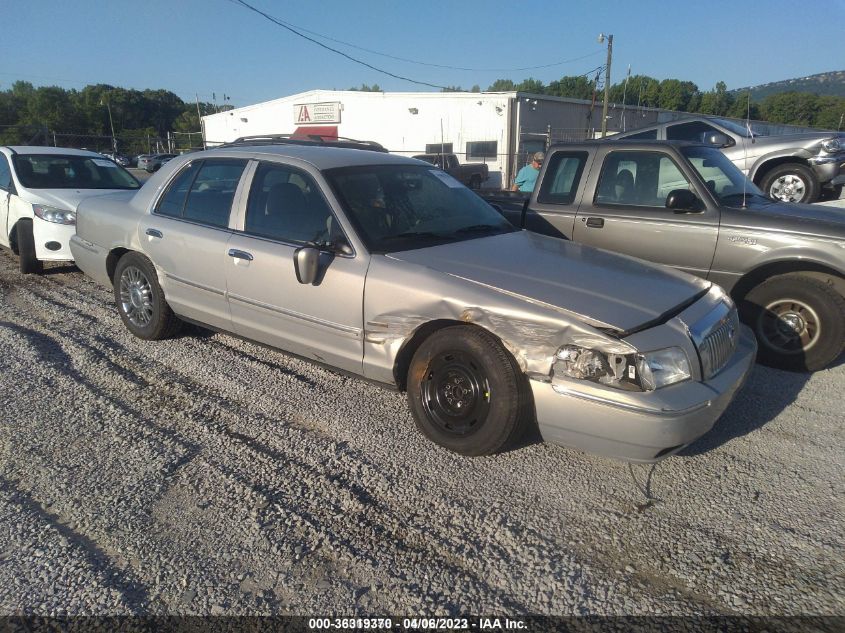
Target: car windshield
(402, 207)
(722, 177)
(57, 171)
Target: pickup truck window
(285, 204)
(402, 207)
(563, 174)
(692, 131)
(642, 179)
(203, 192)
(722, 177)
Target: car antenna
(745, 147)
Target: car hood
(68, 199)
(807, 219)
(613, 290)
(803, 139)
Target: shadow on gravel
(60, 269)
(133, 591)
(766, 394)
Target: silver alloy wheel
(136, 296)
(789, 326)
(789, 188)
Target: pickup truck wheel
(475, 182)
(140, 300)
(799, 322)
(791, 182)
(466, 391)
(27, 261)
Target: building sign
(310, 113)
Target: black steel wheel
(466, 391)
(799, 322)
(140, 299)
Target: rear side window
(204, 192)
(560, 182)
(649, 135)
(286, 205)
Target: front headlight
(52, 214)
(831, 145)
(631, 372)
(663, 367)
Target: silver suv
(788, 167)
(388, 268)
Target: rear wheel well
(808, 269)
(766, 167)
(113, 257)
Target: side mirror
(341, 246)
(682, 201)
(306, 262)
(717, 139)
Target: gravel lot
(210, 475)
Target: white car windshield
(57, 171)
(401, 207)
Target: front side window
(5, 174)
(642, 179)
(58, 171)
(721, 176)
(402, 207)
(285, 204)
(563, 174)
(692, 131)
(203, 192)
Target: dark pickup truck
(688, 206)
(471, 174)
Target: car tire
(466, 392)
(140, 299)
(791, 182)
(831, 193)
(799, 322)
(475, 182)
(27, 261)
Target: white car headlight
(663, 367)
(831, 145)
(52, 214)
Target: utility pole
(111, 124)
(606, 82)
(199, 116)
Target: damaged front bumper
(638, 426)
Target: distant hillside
(831, 84)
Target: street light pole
(606, 83)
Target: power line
(430, 64)
(334, 50)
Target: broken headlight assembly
(632, 372)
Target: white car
(40, 189)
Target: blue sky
(217, 46)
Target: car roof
(320, 156)
(39, 149)
(627, 142)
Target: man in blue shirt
(527, 176)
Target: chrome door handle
(154, 233)
(233, 252)
(595, 223)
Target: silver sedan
(387, 268)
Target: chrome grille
(717, 347)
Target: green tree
(573, 87)
(502, 85)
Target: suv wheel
(799, 322)
(140, 299)
(791, 182)
(467, 393)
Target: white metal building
(499, 128)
